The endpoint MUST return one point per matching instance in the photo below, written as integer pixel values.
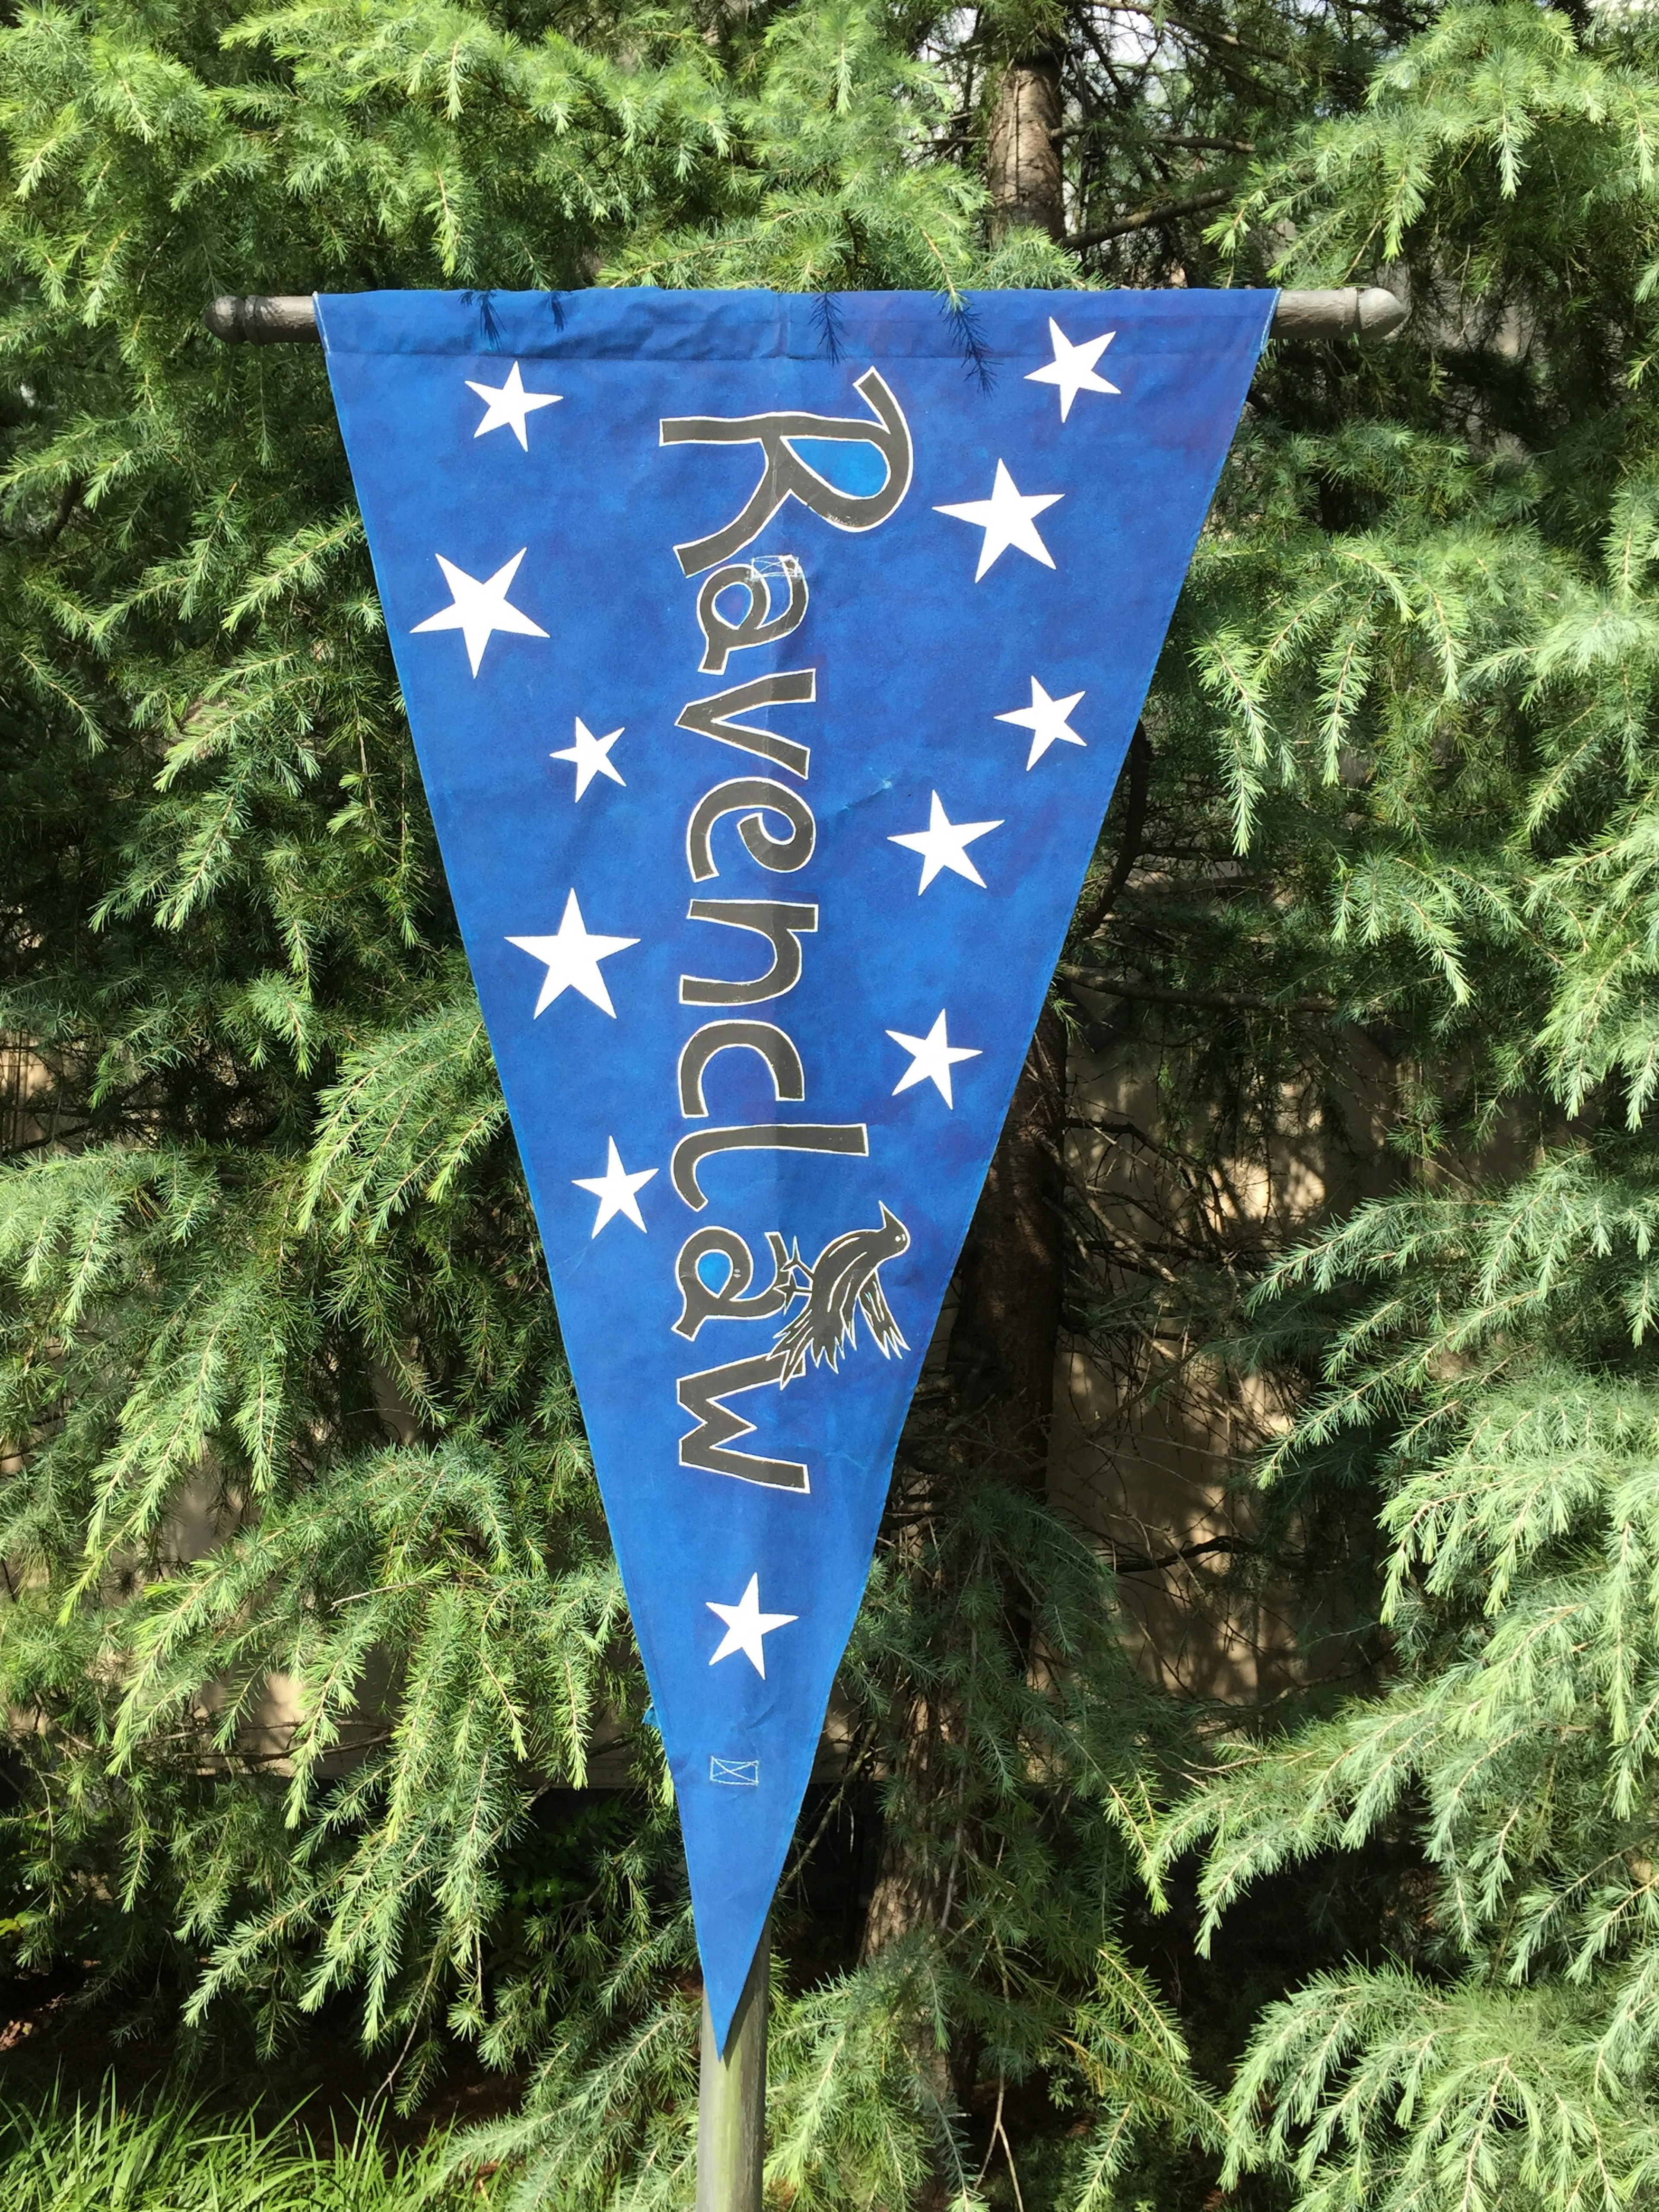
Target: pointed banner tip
(767, 704)
(731, 1978)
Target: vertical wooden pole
(732, 2099)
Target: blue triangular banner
(771, 661)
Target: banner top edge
(644, 323)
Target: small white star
(592, 755)
(1073, 368)
(572, 960)
(931, 1058)
(476, 609)
(615, 1190)
(1046, 719)
(1006, 520)
(942, 843)
(506, 405)
(746, 1625)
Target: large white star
(476, 608)
(1073, 368)
(593, 755)
(942, 843)
(746, 1625)
(1005, 518)
(572, 960)
(931, 1058)
(615, 1190)
(1045, 718)
(506, 405)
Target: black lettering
(782, 925)
(703, 1447)
(758, 625)
(760, 796)
(716, 718)
(786, 476)
(851, 1138)
(698, 1304)
(774, 1048)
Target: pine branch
(1249, 1002)
(1147, 218)
(1135, 1563)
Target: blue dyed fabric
(771, 661)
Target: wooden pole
(1355, 312)
(731, 2098)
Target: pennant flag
(770, 661)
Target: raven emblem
(843, 1282)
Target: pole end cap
(269, 319)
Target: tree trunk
(1010, 1283)
(1022, 159)
(1011, 1278)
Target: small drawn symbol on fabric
(742, 1773)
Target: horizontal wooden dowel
(263, 318)
(1356, 311)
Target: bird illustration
(844, 1280)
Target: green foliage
(107, 2157)
(1001, 1902)
(313, 1630)
(313, 1637)
(1458, 681)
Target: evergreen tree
(1461, 658)
(269, 1257)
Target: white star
(593, 755)
(1045, 718)
(1005, 518)
(615, 1190)
(507, 404)
(746, 1625)
(931, 1058)
(477, 609)
(1073, 368)
(941, 845)
(572, 960)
